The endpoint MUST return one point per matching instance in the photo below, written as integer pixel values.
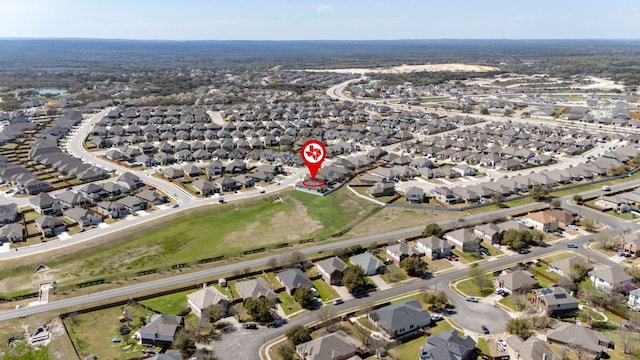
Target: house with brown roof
(629, 243)
(490, 233)
(530, 349)
(517, 282)
(541, 220)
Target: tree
(185, 342)
(413, 266)
(588, 224)
(497, 197)
(604, 241)
(484, 111)
(294, 259)
(436, 300)
(326, 313)
(304, 297)
(354, 279)
(286, 351)
(298, 334)
(517, 240)
(260, 309)
(433, 229)
(578, 272)
(215, 312)
(520, 327)
(539, 193)
(627, 339)
(577, 198)
(479, 277)
(555, 203)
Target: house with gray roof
(490, 233)
(161, 330)
(8, 213)
(609, 278)
(71, 198)
(45, 204)
(335, 346)
(369, 263)
(204, 187)
(130, 181)
(332, 269)
(293, 279)
(433, 247)
(464, 239)
(448, 345)
(152, 197)
(255, 289)
(571, 335)
(414, 194)
(400, 319)
(381, 189)
(113, 209)
(564, 267)
(13, 233)
(49, 226)
(400, 251)
(82, 216)
(555, 301)
(204, 298)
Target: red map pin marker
(313, 153)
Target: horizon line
(14, 38)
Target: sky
(320, 20)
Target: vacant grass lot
(469, 288)
(203, 233)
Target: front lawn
(287, 303)
(467, 257)
(394, 274)
(469, 288)
(326, 291)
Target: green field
(170, 304)
(205, 233)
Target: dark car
(572, 246)
(250, 325)
(524, 251)
(485, 329)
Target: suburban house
(512, 225)
(335, 346)
(634, 299)
(332, 270)
(542, 221)
(113, 209)
(594, 343)
(555, 301)
(382, 189)
(608, 278)
(629, 243)
(45, 204)
(82, 216)
(400, 251)
(71, 199)
(564, 267)
(414, 195)
(204, 187)
(369, 263)
(293, 279)
(169, 355)
(490, 233)
(13, 233)
(563, 217)
(464, 239)
(133, 203)
(517, 282)
(530, 349)
(152, 197)
(448, 345)
(433, 247)
(8, 213)
(400, 319)
(255, 289)
(204, 298)
(49, 225)
(130, 181)
(161, 330)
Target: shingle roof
(206, 297)
(255, 288)
(332, 346)
(293, 279)
(400, 315)
(367, 262)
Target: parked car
(250, 325)
(454, 257)
(485, 329)
(472, 299)
(572, 227)
(498, 291)
(338, 301)
(436, 317)
(524, 251)
(572, 246)
(606, 188)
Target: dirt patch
(414, 68)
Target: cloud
(323, 8)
